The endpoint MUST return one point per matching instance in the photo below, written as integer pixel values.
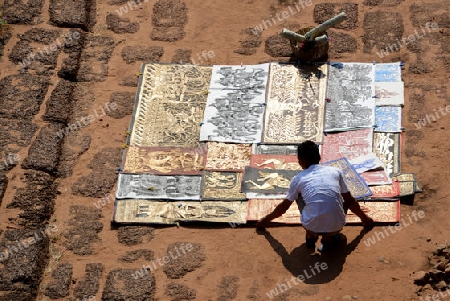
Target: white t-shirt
(317, 191)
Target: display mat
(227, 156)
(350, 89)
(355, 183)
(387, 147)
(295, 104)
(158, 212)
(275, 162)
(350, 144)
(163, 161)
(389, 94)
(267, 180)
(382, 212)
(170, 105)
(217, 185)
(235, 105)
(148, 186)
(388, 119)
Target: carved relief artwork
(350, 90)
(275, 162)
(383, 212)
(267, 180)
(386, 191)
(164, 161)
(170, 107)
(148, 186)
(235, 105)
(267, 149)
(222, 186)
(387, 147)
(355, 183)
(148, 211)
(227, 156)
(350, 144)
(295, 104)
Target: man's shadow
(301, 261)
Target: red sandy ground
(383, 271)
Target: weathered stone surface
(325, 11)
(85, 224)
(129, 284)
(62, 277)
(76, 13)
(121, 25)
(382, 30)
(124, 102)
(103, 176)
(45, 151)
(21, 95)
(22, 267)
(36, 199)
(94, 58)
(59, 106)
(23, 12)
(90, 284)
(131, 54)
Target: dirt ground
(53, 180)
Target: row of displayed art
(218, 143)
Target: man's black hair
(309, 150)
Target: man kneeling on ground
(322, 198)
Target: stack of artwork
(218, 144)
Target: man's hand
(368, 222)
(262, 223)
(277, 212)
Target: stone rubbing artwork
(295, 104)
(236, 102)
(350, 88)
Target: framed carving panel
(170, 105)
(163, 161)
(158, 212)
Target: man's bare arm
(354, 207)
(277, 212)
